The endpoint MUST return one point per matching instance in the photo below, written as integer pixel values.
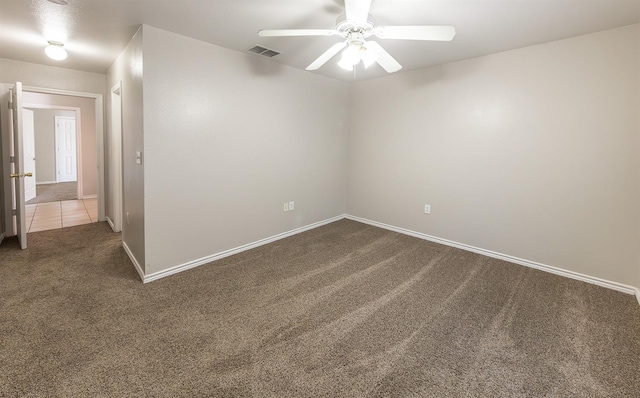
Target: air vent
(263, 51)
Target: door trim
(117, 193)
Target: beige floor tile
(48, 211)
(71, 223)
(43, 228)
(48, 208)
(48, 205)
(74, 207)
(85, 220)
(47, 215)
(73, 213)
(46, 218)
(53, 215)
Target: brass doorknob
(28, 175)
(16, 175)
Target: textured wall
(229, 138)
(531, 153)
(128, 69)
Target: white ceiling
(95, 31)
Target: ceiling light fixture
(59, 2)
(355, 52)
(55, 51)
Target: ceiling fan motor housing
(345, 26)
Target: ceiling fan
(355, 27)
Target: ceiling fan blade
(357, 10)
(327, 55)
(384, 58)
(296, 32)
(436, 33)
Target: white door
(18, 174)
(29, 158)
(66, 156)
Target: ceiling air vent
(263, 51)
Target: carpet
(344, 310)
(55, 192)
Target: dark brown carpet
(345, 310)
(55, 192)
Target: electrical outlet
(291, 205)
(128, 217)
(286, 207)
(427, 209)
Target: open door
(29, 158)
(18, 174)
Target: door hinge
(14, 212)
(12, 159)
(10, 104)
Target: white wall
(531, 153)
(44, 126)
(88, 136)
(42, 76)
(128, 70)
(230, 137)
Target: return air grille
(263, 51)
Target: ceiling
(95, 31)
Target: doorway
(56, 178)
(90, 196)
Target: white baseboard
(543, 267)
(94, 196)
(46, 182)
(134, 261)
(113, 227)
(205, 260)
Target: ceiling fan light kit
(355, 27)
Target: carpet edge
(217, 256)
(515, 260)
(133, 259)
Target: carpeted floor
(344, 310)
(55, 192)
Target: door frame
(78, 135)
(99, 110)
(78, 152)
(116, 166)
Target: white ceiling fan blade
(296, 32)
(357, 10)
(436, 33)
(327, 55)
(384, 58)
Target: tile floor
(67, 213)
